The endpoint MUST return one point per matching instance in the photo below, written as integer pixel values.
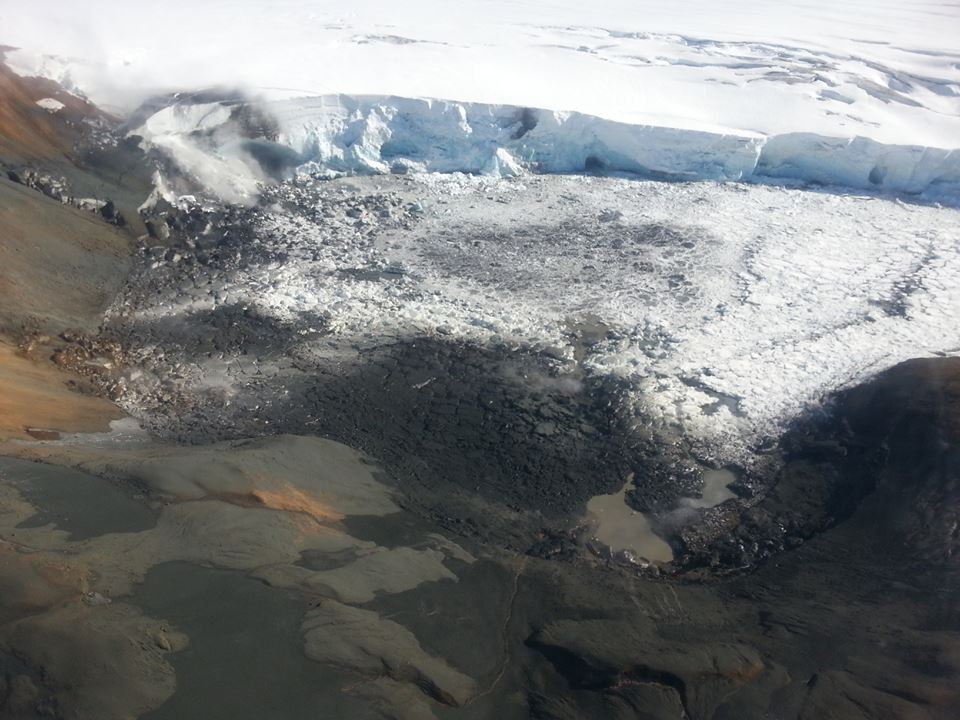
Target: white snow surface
(886, 70)
(50, 104)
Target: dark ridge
(885, 453)
(582, 674)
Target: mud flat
(245, 636)
(268, 515)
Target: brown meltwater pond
(620, 527)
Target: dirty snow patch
(51, 104)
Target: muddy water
(245, 659)
(620, 527)
(716, 489)
(83, 505)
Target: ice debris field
(730, 308)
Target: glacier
(800, 91)
(343, 134)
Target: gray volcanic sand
(83, 505)
(271, 511)
(245, 657)
(59, 266)
(263, 590)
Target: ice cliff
(340, 134)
